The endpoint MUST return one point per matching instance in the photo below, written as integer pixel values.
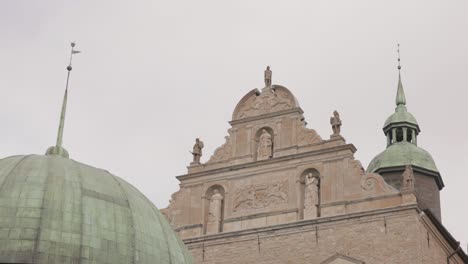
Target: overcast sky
(154, 75)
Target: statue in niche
(265, 146)
(408, 178)
(311, 191)
(268, 74)
(335, 121)
(197, 151)
(214, 213)
(311, 196)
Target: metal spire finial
(398, 51)
(58, 149)
(400, 98)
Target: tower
(402, 130)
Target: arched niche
(258, 149)
(309, 194)
(213, 205)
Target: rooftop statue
(268, 74)
(197, 151)
(335, 121)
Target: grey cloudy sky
(153, 75)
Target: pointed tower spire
(400, 97)
(58, 149)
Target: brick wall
(427, 192)
(391, 237)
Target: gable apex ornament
(267, 75)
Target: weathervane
(58, 149)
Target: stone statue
(268, 74)
(311, 196)
(197, 151)
(335, 121)
(311, 191)
(214, 213)
(408, 178)
(265, 146)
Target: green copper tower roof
(402, 130)
(400, 154)
(57, 210)
(401, 114)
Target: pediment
(342, 259)
(256, 103)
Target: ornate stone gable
(268, 101)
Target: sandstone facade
(270, 213)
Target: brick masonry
(393, 237)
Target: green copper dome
(401, 154)
(57, 210)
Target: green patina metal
(57, 210)
(401, 114)
(400, 154)
(405, 150)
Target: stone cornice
(350, 147)
(252, 216)
(269, 115)
(299, 224)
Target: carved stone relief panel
(267, 102)
(253, 197)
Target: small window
(409, 135)
(399, 135)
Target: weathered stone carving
(214, 212)
(311, 196)
(171, 211)
(305, 135)
(265, 146)
(213, 225)
(197, 151)
(369, 183)
(374, 184)
(268, 101)
(222, 153)
(335, 121)
(260, 196)
(407, 178)
(311, 191)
